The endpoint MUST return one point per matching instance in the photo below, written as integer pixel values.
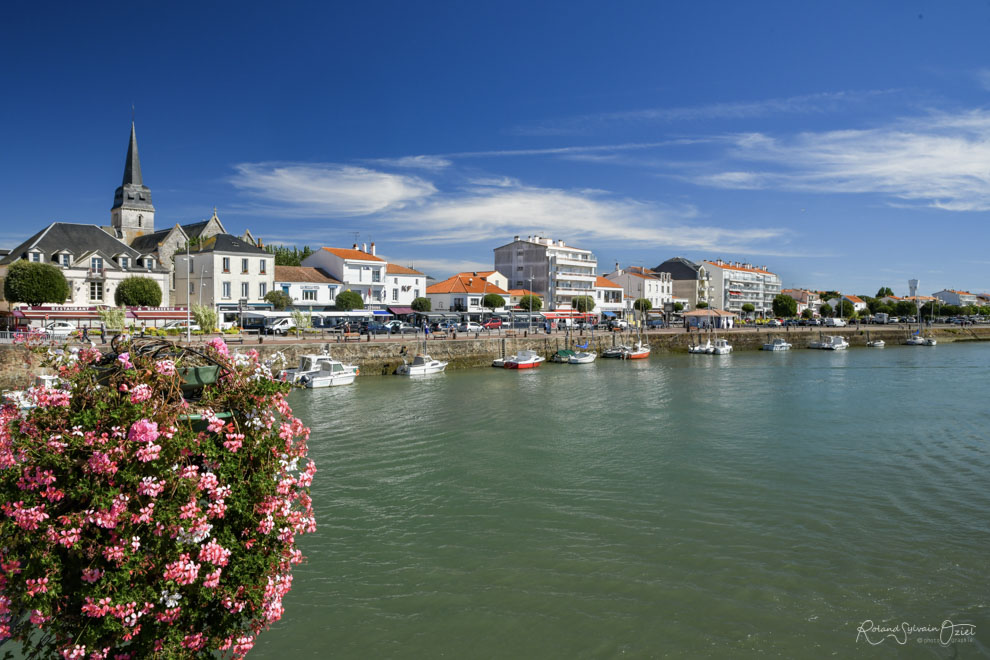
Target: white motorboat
(778, 344)
(582, 357)
(876, 343)
(830, 343)
(331, 373)
(498, 363)
(915, 340)
(721, 347)
(526, 359)
(930, 341)
(313, 365)
(707, 347)
(422, 365)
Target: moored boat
(876, 343)
(830, 343)
(721, 347)
(421, 365)
(526, 359)
(778, 344)
(701, 348)
(311, 364)
(638, 351)
(330, 374)
(616, 351)
(583, 357)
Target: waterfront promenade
(380, 355)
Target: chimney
(515, 238)
(355, 246)
(364, 247)
(372, 249)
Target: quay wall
(18, 367)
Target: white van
(279, 326)
(835, 323)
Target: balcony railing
(96, 274)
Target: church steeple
(132, 213)
(132, 166)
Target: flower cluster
(135, 524)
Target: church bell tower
(132, 214)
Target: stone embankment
(18, 367)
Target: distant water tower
(913, 285)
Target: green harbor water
(750, 505)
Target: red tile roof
(603, 283)
(303, 274)
(458, 284)
(357, 255)
(395, 269)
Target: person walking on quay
(103, 333)
(85, 335)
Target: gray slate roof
(228, 243)
(77, 239)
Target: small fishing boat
(721, 347)
(421, 365)
(311, 364)
(562, 356)
(330, 374)
(707, 347)
(638, 351)
(778, 344)
(830, 343)
(583, 357)
(526, 359)
(876, 343)
(616, 351)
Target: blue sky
(845, 145)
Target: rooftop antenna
(132, 113)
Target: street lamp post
(531, 305)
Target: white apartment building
(553, 269)
(309, 288)
(226, 272)
(609, 298)
(403, 285)
(638, 282)
(953, 297)
(734, 284)
(360, 271)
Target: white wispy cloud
(819, 103)
(424, 162)
(331, 190)
(940, 160)
(438, 267)
(483, 210)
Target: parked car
(373, 328)
(492, 324)
(656, 323)
(279, 326)
(180, 326)
(470, 326)
(400, 327)
(774, 323)
(618, 324)
(584, 325)
(60, 329)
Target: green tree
(583, 304)
(825, 310)
(286, 257)
(748, 308)
(113, 318)
(35, 283)
(678, 307)
(784, 305)
(279, 299)
(701, 305)
(807, 313)
(303, 320)
(530, 302)
(642, 305)
(846, 309)
(884, 291)
(206, 317)
(421, 304)
(492, 301)
(348, 300)
(137, 291)
(828, 295)
(905, 308)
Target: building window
(96, 265)
(309, 294)
(264, 266)
(415, 293)
(244, 266)
(36, 256)
(245, 290)
(140, 220)
(96, 291)
(333, 292)
(226, 290)
(395, 295)
(124, 262)
(262, 289)
(226, 265)
(66, 260)
(376, 275)
(285, 289)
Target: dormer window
(35, 257)
(124, 262)
(65, 259)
